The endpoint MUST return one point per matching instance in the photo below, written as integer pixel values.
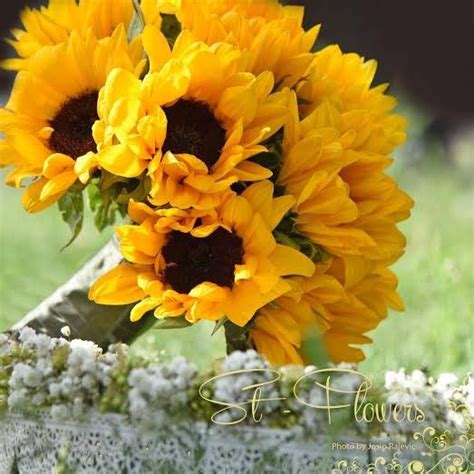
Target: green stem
(237, 338)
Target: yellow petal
(152, 128)
(139, 211)
(120, 83)
(281, 205)
(143, 307)
(56, 164)
(249, 171)
(166, 86)
(139, 237)
(156, 47)
(246, 299)
(260, 196)
(238, 103)
(117, 287)
(120, 160)
(269, 347)
(31, 198)
(290, 261)
(83, 166)
(124, 115)
(58, 185)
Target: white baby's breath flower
(469, 390)
(182, 367)
(236, 388)
(158, 389)
(395, 380)
(54, 389)
(24, 375)
(78, 407)
(5, 346)
(38, 399)
(417, 380)
(445, 382)
(60, 412)
(26, 334)
(18, 398)
(66, 331)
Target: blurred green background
(436, 274)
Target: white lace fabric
(108, 444)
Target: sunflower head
(53, 106)
(270, 33)
(204, 264)
(53, 24)
(191, 123)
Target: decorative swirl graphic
(439, 450)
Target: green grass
(436, 279)
(436, 276)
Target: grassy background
(436, 274)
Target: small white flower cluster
(241, 371)
(67, 376)
(28, 383)
(6, 345)
(75, 377)
(445, 404)
(459, 399)
(312, 393)
(158, 390)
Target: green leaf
(136, 189)
(107, 180)
(102, 205)
(170, 27)
(288, 224)
(172, 323)
(299, 242)
(237, 338)
(272, 158)
(285, 239)
(71, 206)
(138, 21)
(219, 324)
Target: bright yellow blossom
(53, 24)
(48, 120)
(204, 264)
(191, 124)
(272, 34)
(320, 304)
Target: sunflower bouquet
(248, 165)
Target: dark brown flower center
(193, 129)
(194, 260)
(72, 126)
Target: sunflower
(191, 123)
(321, 305)
(48, 119)
(53, 24)
(365, 113)
(365, 306)
(334, 160)
(272, 34)
(204, 264)
(280, 329)
(334, 163)
(314, 153)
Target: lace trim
(108, 444)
